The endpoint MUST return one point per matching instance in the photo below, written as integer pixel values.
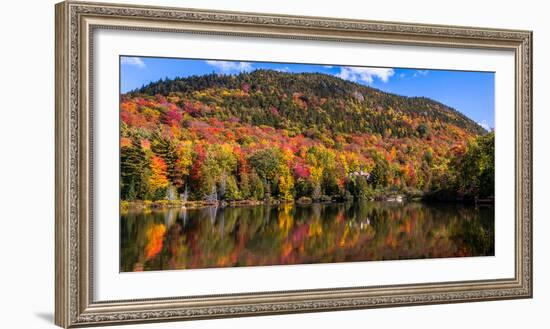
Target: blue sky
(471, 93)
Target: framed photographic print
(217, 164)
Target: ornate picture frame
(76, 22)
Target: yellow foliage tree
(185, 157)
(158, 179)
(286, 183)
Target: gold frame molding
(75, 24)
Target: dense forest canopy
(308, 101)
(268, 134)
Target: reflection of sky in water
(180, 238)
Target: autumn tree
(286, 183)
(158, 180)
(167, 149)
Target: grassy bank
(376, 195)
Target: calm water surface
(301, 234)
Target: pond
(180, 238)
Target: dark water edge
(260, 235)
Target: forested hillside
(285, 136)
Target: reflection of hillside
(292, 234)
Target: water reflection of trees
(294, 234)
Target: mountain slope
(309, 101)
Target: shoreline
(199, 204)
(161, 204)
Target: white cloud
(485, 125)
(328, 66)
(422, 73)
(227, 66)
(402, 75)
(134, 61)
(283, 69)
(365, 74)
